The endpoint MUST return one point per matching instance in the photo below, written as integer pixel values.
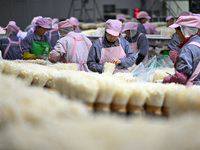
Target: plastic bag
(137, 70)
(146, 72)
(160, 61)
(141, 71)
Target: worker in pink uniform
(143, 18)
(75, 24)
(121, 18)
(169, 20)
(71, 47)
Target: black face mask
(108, 41)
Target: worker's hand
(166, 79)
(115, 61)
(39, 57)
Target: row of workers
(111, 48)
(75, 47)
(144, 26)
(120, 51)
(36, 45)
(53, 35)
(11, 46)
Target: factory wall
(22, 11)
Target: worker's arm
(183, 66)
(178, 77)
(139, 59)
(94, 57)
(59, 51)
(26, 46)
(143, 47)
(27, 56)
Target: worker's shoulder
(194, 40)
(123, 40)
(97, 42)
(29, 36)
(141, 36)
(191, 46)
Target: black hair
(178, 28)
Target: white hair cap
(188, 31)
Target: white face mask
(188, 31)
(61, 33)
(133, 33)
(8, 32)
(64, 31)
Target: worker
(183, 13)
(172, 45)
(187, 64)
(55, 22)
(75, 24)
(121, 18)
(31, 28)
(143, 18)
(138, 42)
(19, 34)
(71, 47)
(37, 45)
(52, 33)
(111, 48)
(141, 28)
(10, 46)
(169, 20)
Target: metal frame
(84, 11)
